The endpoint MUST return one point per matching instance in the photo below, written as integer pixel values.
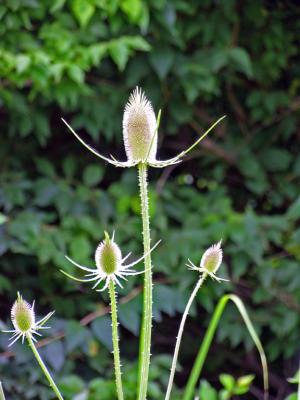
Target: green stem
(189, 392)
(180, 333)
(44, 368)
(115, 338)
(2, 396)
(145, 340)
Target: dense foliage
(197, 61)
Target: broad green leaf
(241, 60)
(93, 174)
(227, 381)
(83, 11)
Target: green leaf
(207, 392)
(102, 389)
(76, 335)
(55, 355)
(293, 211)
(227, 381)
(71, 385)
(132, 8)
(129, 315)
(241, 60)
(3, 218)
(295, 378)
(22, 63)
(276, 160)
(245, 380)
(161, 59)
(83, 11)
(101, 328)
(76, 73)
(119, 52)
(93, 174)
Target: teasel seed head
(212, 258)
(22, 315)
(139, 128)
(108, 256)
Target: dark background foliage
(196, 61)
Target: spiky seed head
(108, 256)
(139, 128)
(22, 315)
(212, 258)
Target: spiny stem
(180, 333)
(145, 340)
(44, 368)
(115, 338)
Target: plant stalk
(44, 368)
(115, 339)
(2, 396)
(145, 339)
(180, 333)
(189, 392)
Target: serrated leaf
(83, 11)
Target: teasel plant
(209, 265)
(26, 328)
(140, 134)
(110, 270)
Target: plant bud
(139, 128)
(22, 315)
(108, 256)
(212, 258)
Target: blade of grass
(209, 335)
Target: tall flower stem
(115, 338)
(145, 339)
(180, 333)
(44, 368)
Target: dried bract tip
(212, 258)
(139, 128)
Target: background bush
(197, 61)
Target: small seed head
(108, 256)
(212, 258)
(139, 128)
(22, 315)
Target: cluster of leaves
(196, 60)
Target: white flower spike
(140, 128)
(210, 262)
(109, 264)
(23, 319)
